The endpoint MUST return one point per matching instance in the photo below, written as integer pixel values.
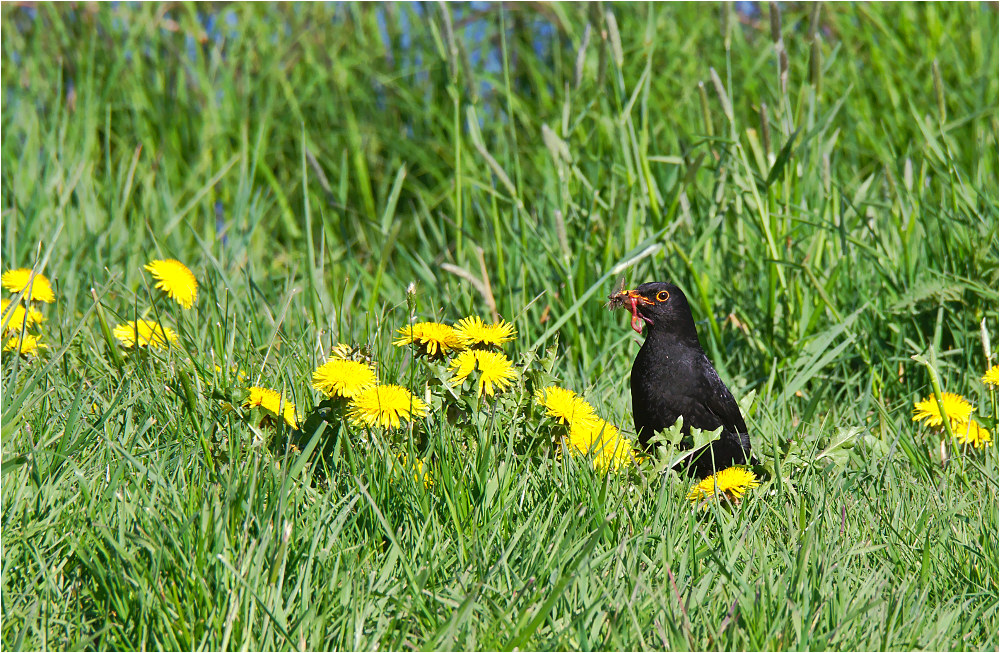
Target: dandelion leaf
(839, 448)
(928, 293)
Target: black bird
(672, 377)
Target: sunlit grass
(332, 173)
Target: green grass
(310, 162)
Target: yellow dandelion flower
(26, 345)
(565, 405)
(17, 280)
(729, 484)
(956, 408)
(432, 338)
(601, 440)
(473, 332)
(386, 406)
(17, 318)
(175, 279)
(144, 333)
(583, 434)
(343, 378)
(613, 455)
(495, 369)
(972, 433)
(992, 376)
(462, 366)
(272, 402)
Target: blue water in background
(473, 23)
(402, 33)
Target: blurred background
(821, 180)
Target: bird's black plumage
(672, 377)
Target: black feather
(672, 377)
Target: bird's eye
(662, 296)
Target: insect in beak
(630, 299)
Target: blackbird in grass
(672, 377)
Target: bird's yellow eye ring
(662, 296)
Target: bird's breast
(671, 379)
(666, 367)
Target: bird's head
(661, 305)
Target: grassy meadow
(823, 185)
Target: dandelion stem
(936, 387)
(939, 398)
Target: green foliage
(825, 192)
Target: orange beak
(632, 300)
(634, 297)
